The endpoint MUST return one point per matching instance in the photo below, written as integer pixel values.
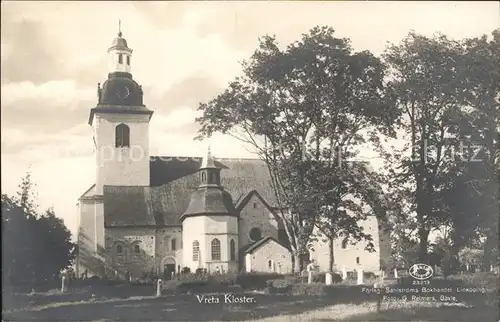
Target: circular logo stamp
(421, 271)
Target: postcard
(250, 161)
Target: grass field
(143, 306)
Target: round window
(255, 234)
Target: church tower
(210, 224)
(120, 123)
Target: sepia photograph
(265, 161)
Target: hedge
(219, 282)
(284, 286)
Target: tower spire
(208, 160)
(119, 28)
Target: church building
(162, 214)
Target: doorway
(168, 265)
(168, 269)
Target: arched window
(196, 251)
(213, 177)
(344, 244)
(232, 249)
(215, 249)
(120, 59)
(122, 135)
(119, 249)
(357, 260)
(270, 264)
(137, 249)
(173, 245)
(128, 60)
(203, 177)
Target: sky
(53, 54)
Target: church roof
(120, 94)
(208, 161)
(252, 247)
(210, 200)
(173, 180)
(119, 43)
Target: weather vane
(119, 28)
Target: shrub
(171, 285)
(308, 289)
(369, 275)
(185, 270)
(219, 282)
(319, 278)
(193, 277)
(226, 279)
(283, 286)
(280, 283)
(256, 280)
(336, 278)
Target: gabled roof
(86, 193)
(125, 206)
(252, 247)
(173, 180)
(242, 202)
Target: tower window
(120, 58)
(255, 205)
(137, 249)
(216, 249)
(128, 60)
(203, 177)
(173, 245)
(119, 249)
(232, 249)
(122, 134)
(357, 260)
(196, 251)
(344, 244)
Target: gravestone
(360, 275)
(309, 277)
(63, 284)
(344, 273)
(328, 278)
(158, 287)
(310, 269)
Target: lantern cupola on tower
(120, 93)
(210, 198)
(120, 54)
(209, 172)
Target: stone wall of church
(121, 166)
(203, 230)
(130, 250)
(352, 256)
(86, 260)
(193, 230)
(256, 215)
(169, 248)
(270, 258)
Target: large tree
(430, 91)
(36, 246)
(316, 98)
(483, 130)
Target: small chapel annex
(159, 214)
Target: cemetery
(254, 296)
